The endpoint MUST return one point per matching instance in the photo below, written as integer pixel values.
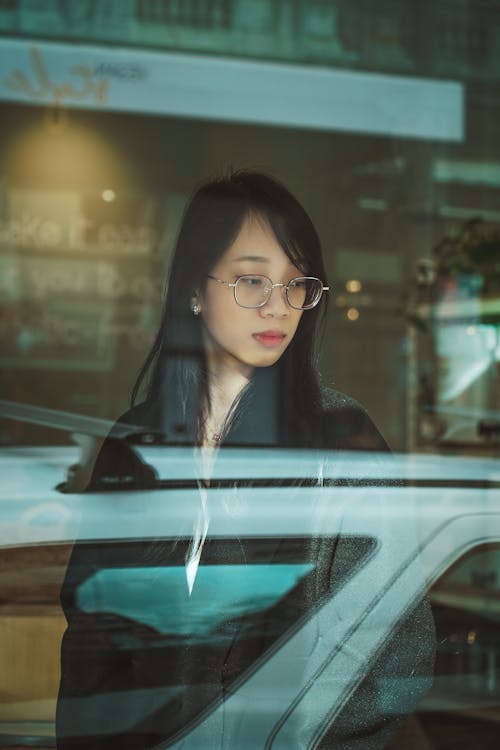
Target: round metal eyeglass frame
(269, 289)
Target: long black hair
(175, 368)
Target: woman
(234, 347)
(232, 364)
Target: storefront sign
(215, 88)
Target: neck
(224, 387)
(225, 383)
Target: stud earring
(195, 308)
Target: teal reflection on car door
(220, 593)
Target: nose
(277, 305)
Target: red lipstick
(269, 338)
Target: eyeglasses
(302, 293)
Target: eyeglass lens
(254, 291)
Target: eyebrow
(258, 258)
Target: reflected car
(282, 601)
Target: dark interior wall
(371, 199)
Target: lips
(269, 338)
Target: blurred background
(381, 117)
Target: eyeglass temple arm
(220, 281)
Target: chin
(267, 361)
(262, 358)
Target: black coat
(126, 685)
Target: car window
(237, 587)
(466, 693)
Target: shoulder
(346, 423)
(332, 400)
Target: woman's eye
(251, 281)
(298, 283)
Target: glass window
(299, 465)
